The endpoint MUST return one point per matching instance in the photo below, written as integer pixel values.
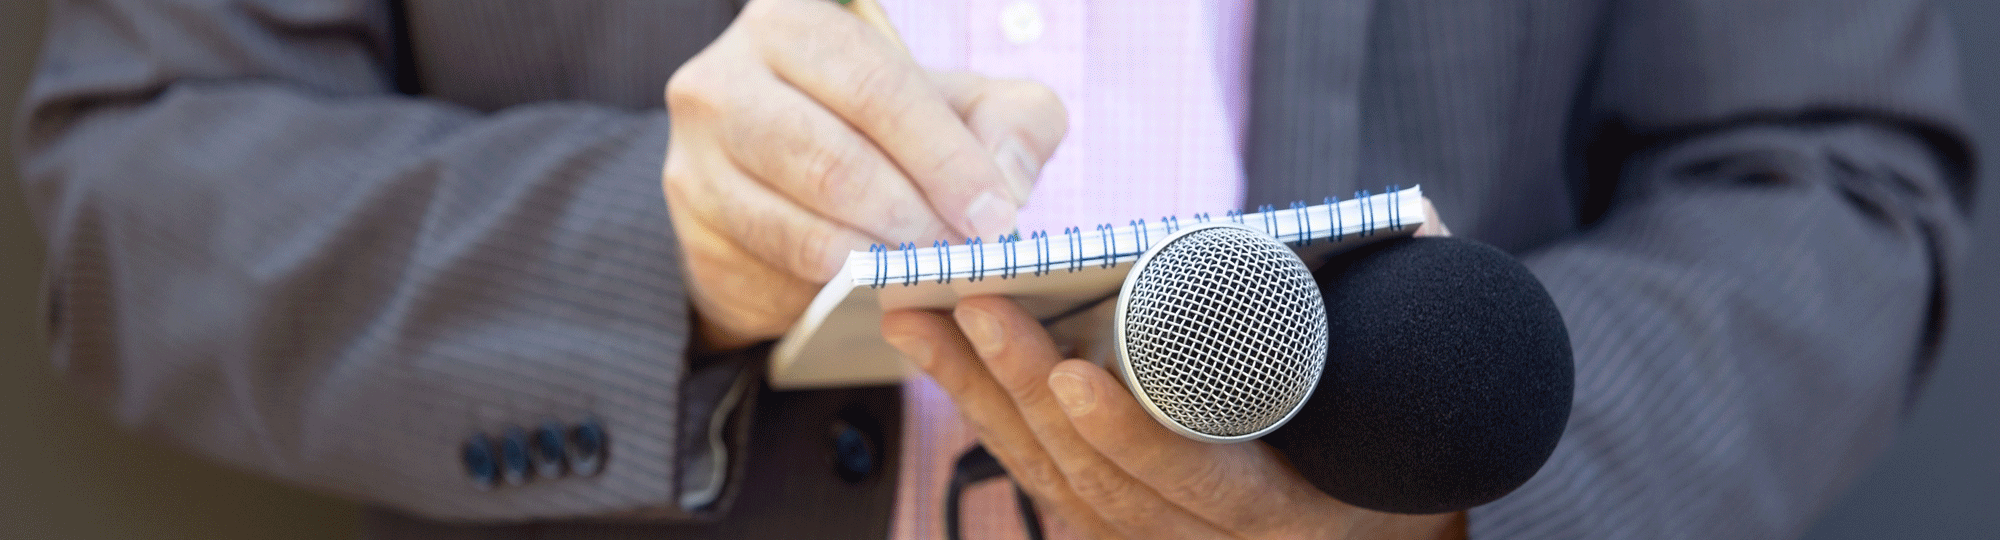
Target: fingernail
(989, 214)
(981, 330)
(918, 350)
(1019, 168)
(1073, 393)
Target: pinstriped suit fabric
(1749, 313)
(276, 265)
(1745, 210)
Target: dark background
(66, 472)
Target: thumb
(1019, 121)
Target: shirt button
(1022, 22)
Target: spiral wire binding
(1333, 216)
(1075, 246)
(1114, 252)
(1009, 257)
(978, 260)
(1305, 222)
(1367, 215)
(1270, 220)
(1041, 240)
(944, 260)
(881, 253)
(1395, 210)
(1109, 235)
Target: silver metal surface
(1220, 332)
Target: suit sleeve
(261, 253)
(1785, 198)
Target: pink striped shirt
(1156, 98)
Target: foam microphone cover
(1448, 378)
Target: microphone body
(1448, 380)
(1220, 332)
(1416, 376)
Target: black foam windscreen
(1448, 378)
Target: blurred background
(67, 472)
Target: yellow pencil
(871, 13)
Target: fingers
(932, 342)
(791, 144)
(865, 79)
(1021, 122)
(1235, 486)
(753, 259)
(801, 133)
(1018, 354)
(767, 227)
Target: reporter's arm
(259, 253)
(1763, 294)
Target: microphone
(1220, 332)
(1448, 382)
(1421, 375)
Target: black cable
(974, 466)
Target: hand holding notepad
(801, 133)
(838, 342)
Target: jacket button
(548, 451)
(586, 448)
(853, 452)
(478, 459)
(514, 457)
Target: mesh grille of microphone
(1224, 332)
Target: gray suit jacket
(363, 247)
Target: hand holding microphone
(1419, 376)
(1077, 440)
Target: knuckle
(1098, 482)
(809, 252)
(689, 190)
(1042, 474)
(676, 180)
(689, 93)
(878, 85)
(765, 238)
(1025, 387)
(960, 385)
(946, 165)
(1203, 483)
(834, 173)
(909, 223)
(785, 245)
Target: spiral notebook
(838, 341)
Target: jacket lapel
(1305, 97)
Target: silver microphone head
(1220, 332)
